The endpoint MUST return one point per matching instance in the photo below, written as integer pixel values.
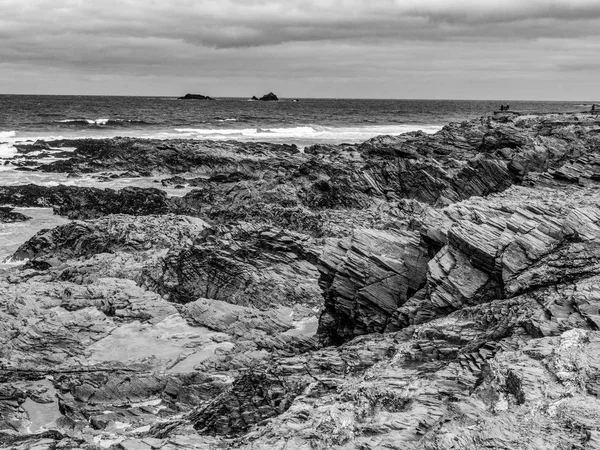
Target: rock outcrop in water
(454, 278)
(195, 97)
(7, 215)
(270, 97)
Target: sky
(429, 49)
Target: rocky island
(270, 97)
(195, 97)
(410, 292)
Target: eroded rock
(455, 276)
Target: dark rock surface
(257, 266)
(159, 157)
(411, 292)
(88, 203)
(7, 215)
(113, 233)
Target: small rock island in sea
(419, 291)
(270, 97)
(195, 97)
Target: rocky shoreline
(410, 292)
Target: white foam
(7, 151)
(7, 134)
(301, 135)
(101, 121)
(316, 132)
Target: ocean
(302, 122)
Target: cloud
(235, 23)
(305, 39)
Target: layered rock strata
(411, 292)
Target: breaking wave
(351, 134)
(7, 134)
(103, 122)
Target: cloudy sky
(453, 49)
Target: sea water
(302, 122)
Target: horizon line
(309, 98)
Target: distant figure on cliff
(594, 107)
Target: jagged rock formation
(454, 278)
(147, 156)
(366, 277)
(80, 314)
(251, 266)
(110, 234)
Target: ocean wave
(303, 132)
(288, 132)
(104, 122)
(299, 135)
(7, 134)
(7, 151)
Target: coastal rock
(159, 157)
(88, 203)
(366, 278)
(7, 215)
(471, 252)
(253, 398)
(452, 279)
(104, 344)
(390, 405)
(177, 180)
(253, 266)
(113, 233)
(268, 201)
